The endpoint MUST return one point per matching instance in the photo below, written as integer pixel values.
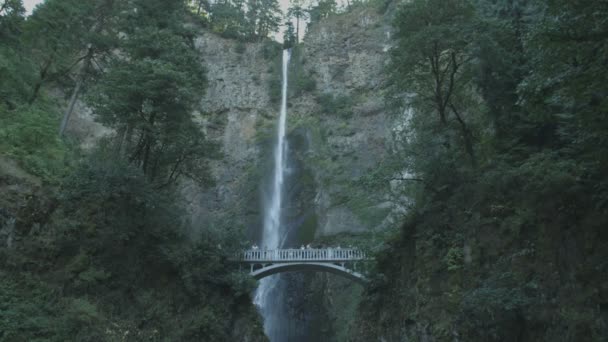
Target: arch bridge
(343, 262)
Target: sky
(29, 4)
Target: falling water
(268, 293)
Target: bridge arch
(269, 270)
(339, 261)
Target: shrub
(30, 135)
(240, 48)
(271, 49)
(305, 83)
(336, 105)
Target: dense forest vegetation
(97, 244)
(101, 249)
(503, 157)
(506, 159)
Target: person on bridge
(255, 247)
(302, 247)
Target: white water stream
(265, 295)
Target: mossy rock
(308, 229)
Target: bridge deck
(256, 256)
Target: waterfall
(268, 293)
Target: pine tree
(296, 11)
(54, 35)
(289, 36)
(322, 10)
(269, 18)
(11, 17)
(149, 92)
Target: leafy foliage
(322, 10)
(335, 104)
(106, 252)
(251, 20)
(149, 97)
(29, 134)
(289, 36)
(110, 221)
(514, 87)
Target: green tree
(322, 10)
(502, 67)
(564, 90)
(11, 18)
(102, 255)
(228, 18)
(148, 95)
(102, 38)
(437, 71)
(245, 20)
(14, 68)
(528, 78)
(289, 36)
(296, 11)
(202, 5)
(54, 36)
(268, 18)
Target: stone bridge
(342, 262)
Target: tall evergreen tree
(296, 11)
(229, 19)
(289, 36)
(54, 35)
(148, 94)
(13, 66)
(269, 18)
(102, 38)
(322, 10)
(565, 91)
(11, 17)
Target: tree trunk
(148, 144)
(38, 85)
(68, 113)
(297, 30)
(467, 136)
(82, 73)
(125, 138)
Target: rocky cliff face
(339, 130)
(339, 134)
(236, 103)
(346, 55)
(338, 126)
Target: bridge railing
(296, 255)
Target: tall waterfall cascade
(268, 292)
